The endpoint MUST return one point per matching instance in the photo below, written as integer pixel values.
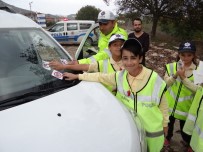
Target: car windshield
(24, 54)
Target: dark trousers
(185, 136)
(143, 59)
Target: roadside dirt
(156, 58)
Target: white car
(41, 112)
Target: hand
(165, 131)
(175, 76)
(181, 73)
(73, 62)
(70, 76)
(56, 65)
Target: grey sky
(60, 7)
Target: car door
(72, 32)
(89, 44)
(83, 28)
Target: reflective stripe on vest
(191, 117)
(199, 131)
(92, 59)
(157, 88)
(154, 134)
(172, 71)
(105, 50)
(120, 85)
(180, 99)
(105, 66)
(171, 67)
(179, 112)
(108, 52)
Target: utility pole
(30, 3)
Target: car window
(85, 26)
(57, 28)
(72, 26)
(23, 57)
(89, 46)
(45, 47)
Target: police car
(40, 112)
(71, 31)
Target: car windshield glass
(57, 28)
(24, 54)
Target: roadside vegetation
(88, 13)
(167, 22)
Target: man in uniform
(108, 26)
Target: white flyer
(64, 61)
(57, 74)
(45, 65)
(198, 79)
(200, 68)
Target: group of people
(157, 102)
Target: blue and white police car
(71, 31)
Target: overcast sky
(60, 7)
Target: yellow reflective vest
(106, 67)
(145, 103)
(103, 44)
(194, 123)
(178, 96)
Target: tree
(154, 8)
(191, 18)
(187, 22)
(88, 13)
(185, 17)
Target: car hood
(83, 118)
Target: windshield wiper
(29, 96)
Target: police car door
(57, 31)
(72, 32)
(83, 28)
(89, 44)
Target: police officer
(108, 26)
